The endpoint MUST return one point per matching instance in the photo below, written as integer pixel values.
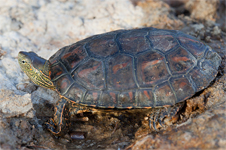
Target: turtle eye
(23, 61)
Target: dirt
(201, 123)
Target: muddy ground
(45, 26)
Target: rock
(198, 27)
(12, 104)
(26, 87)
(17, 133)
(156, 15)
(203, 9)
(216, 31)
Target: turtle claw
(51, 122)
(154, 126)
(51, 127)
(161, 123)
(162, 116)
(152, 121)
(155, 119)
(158, 116)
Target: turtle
(144, 68)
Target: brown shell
(134, 68)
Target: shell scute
(57, 71)
(194, 46)
(137, 37)
(63, 84)
(180, 61)
(126, 99)
(145, 98)
(73, 56)
(164, 95)
(90, 74)
(209, 70)
(120, 73)
(76, 93)
(198, 78)
(151, 68)
(108, 98)
(182, 87)
(102, 46)
(162, 41)
(92, 97)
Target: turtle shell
(139, 68)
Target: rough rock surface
(9, 101)
(198, 9)
(44, 26)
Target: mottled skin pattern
(125, 69)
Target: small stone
(207, 39)
(78, 135)
(30, 114)
(17, 123)
(23, 124)
(64, 141)
(216, 31)
(198, 27)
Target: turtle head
(36, 68)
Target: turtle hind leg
(58, 125)
(161, 117)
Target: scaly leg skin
(59, 124)
(165, 115)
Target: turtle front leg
(166, 115)
(58, 125)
